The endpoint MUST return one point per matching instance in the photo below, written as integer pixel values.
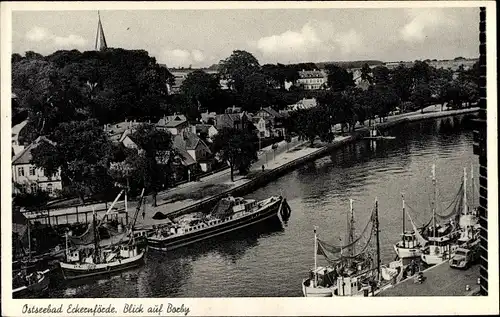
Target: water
(271, 260)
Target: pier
(440, 280)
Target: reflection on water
(272, 259)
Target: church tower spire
(100, 39)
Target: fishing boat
(468, 220)
(443, 242)
(230, 214)
(411, 241)
(28, 280)
(26, 285)
(351, 274)
(97, 260)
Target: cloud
(316, 40)
(38, 34)
(425, 23)
(350, 41)
(179, 57)
(302, 41)
(70, 40)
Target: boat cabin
(128, 251)
(408, 241)
(352, 286)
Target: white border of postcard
(259, 306)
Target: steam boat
(230, 214)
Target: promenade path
(190, 193)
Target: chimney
(193, 129)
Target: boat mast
(404, 242)
(465, 210)
(472, 183)
(29, 241)
(351, 229)
(434, 199)
(96, 239)
(378, 238)
(315, 255)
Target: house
(312, 79)
(174, 124)
(195, 147)
(17, 145)
(263, 127)
(303, 104)
(208, 117)
(233, 109)
(28, 178)
(206, 131)
(117, 131)
(274, 121)
(239, 121)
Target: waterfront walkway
(191, 193)
(441, 280)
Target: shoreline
(272, 174)
(283, 163)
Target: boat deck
(441, 280)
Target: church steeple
(100, 39)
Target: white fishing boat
(411, 242)
(443, 242)
(468, 221)
(351, 274)
(98, 260)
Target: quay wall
(273, 174)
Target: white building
(312, 79)
(30, 179)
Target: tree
(402, 82)
(201, 89)
(155, 152)
(421, 95)
(338, 78)
(237, 67)
(81, 151)
(256, 92)
(366, 73)
(381, 76)
(236, 147)
(315, 122)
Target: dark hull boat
(229, 215)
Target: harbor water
(272, 259)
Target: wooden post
(126, 214)
(67, 220)
(48, 215)
(76, 213)
(57, 220)
(86, 218)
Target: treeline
(401, 89)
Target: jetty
(440, 280)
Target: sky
(201, 38)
